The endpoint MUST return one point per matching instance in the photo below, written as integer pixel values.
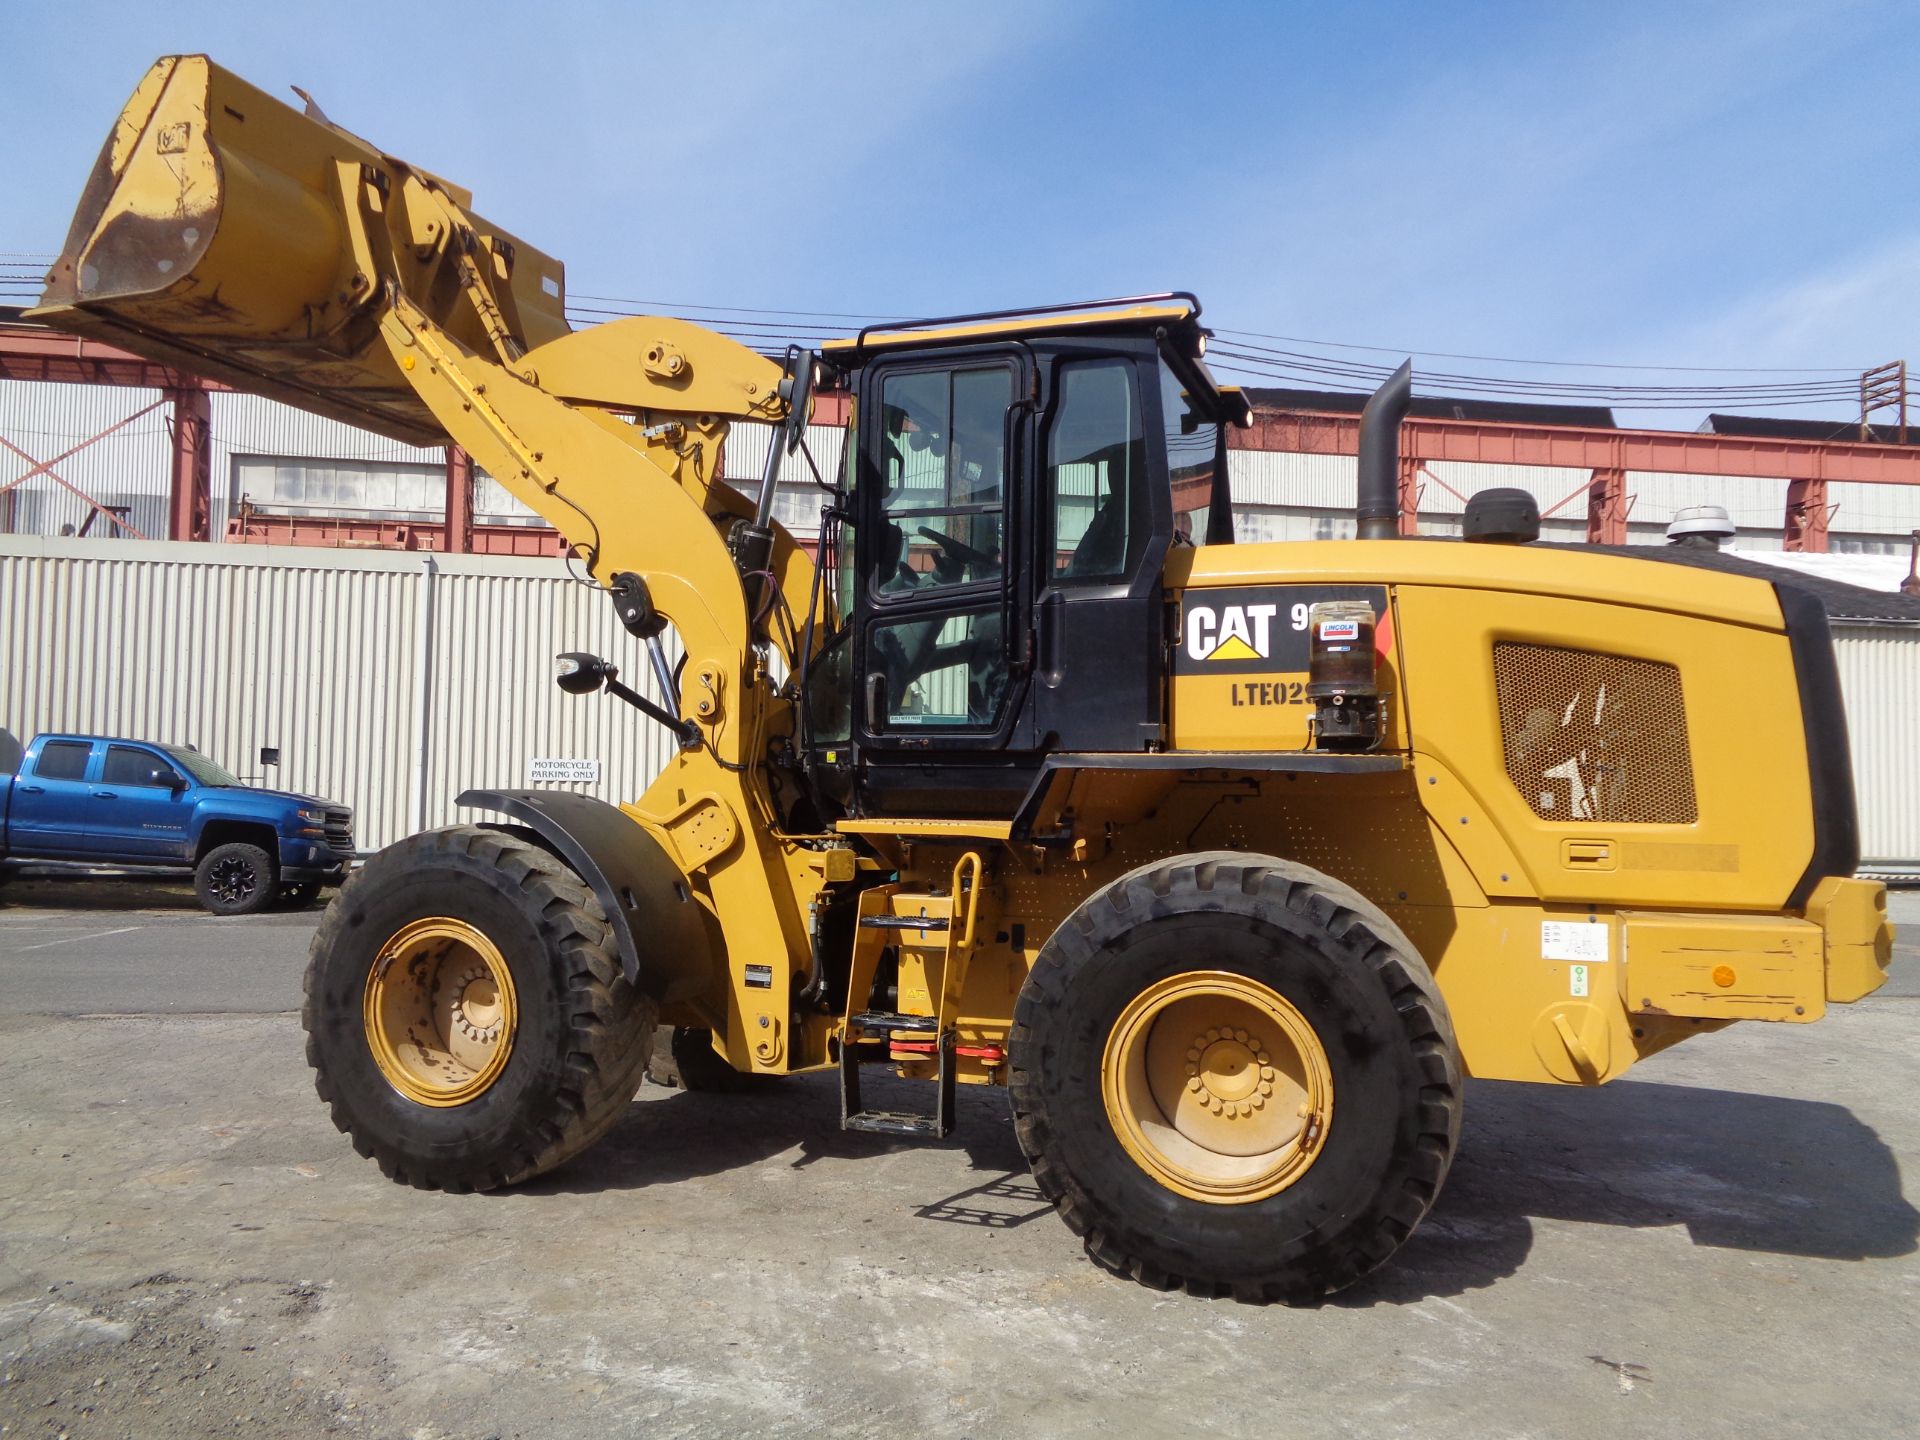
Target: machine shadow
(677, 1135)
(1739, 1171)
(96, 892)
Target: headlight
(315, 817)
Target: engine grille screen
(1593, 737)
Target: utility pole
(1884, 388)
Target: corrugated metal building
(392, 681)
(387, 680)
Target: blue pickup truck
(98, 801)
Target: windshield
(200, 767)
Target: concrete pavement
(1722, 1244)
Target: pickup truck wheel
(235, 879)
(467, 1018)
(1234, 1075)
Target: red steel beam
(32, 352)
(1409, 495)
(1807, 516)
(1575, 447)
(190, 495)
(251, 527)
(459, 508)
(1607, 508)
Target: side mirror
(166, 779)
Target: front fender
(637, 883)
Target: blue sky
(1690, 184)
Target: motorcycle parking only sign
(550, 770)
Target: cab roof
(1177, 311)
(1132, 313)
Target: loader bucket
(212, 236)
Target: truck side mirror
(166, 778)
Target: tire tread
(611, 1023)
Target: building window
(366, 489)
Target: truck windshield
(200, 767)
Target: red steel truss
(1808, 466)
(30, 352)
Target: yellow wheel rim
(1217, 1087)
(440, 1012)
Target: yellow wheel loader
(1229, 861)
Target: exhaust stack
(1377, 507)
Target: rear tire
(554, 1044)
(1138, 1131)
(684, 1059)
(235, 879)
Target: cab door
(1103, 521)
(140, 806)
(52, 800)
(940, 662)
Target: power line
(1666, 403)
(765, 327)
(1359, 368)
(655, 306)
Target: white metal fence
(392, 681)
(387, 680)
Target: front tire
(235, 879)
(1233, 1074)
(467, 1019)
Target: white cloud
(1858, 311)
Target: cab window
(944, 470)
(945, 670)
(127, 766)
(1096, 474)
(62, 760)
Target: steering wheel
(957, 552)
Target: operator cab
(1011, 486)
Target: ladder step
(904, 922)
(855, 1116)
(879, 1022)
(888, 1122)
